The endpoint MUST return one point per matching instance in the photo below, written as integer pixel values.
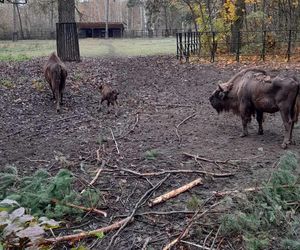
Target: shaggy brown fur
(108, 94)
(55, 73)
(249, 93)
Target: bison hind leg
(259, 118)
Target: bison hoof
(284, 145)
(260, 132)
(243, 134)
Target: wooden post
(67, 45)
(289, 46)
(15, 33)
(107, 17)
(199, 43)
(188, 46)
(177, 46)
(181, 47)
(263, 53)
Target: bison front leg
(288, 127)
(259, 118)
(246, 118)
(58, 96)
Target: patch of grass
(7, 83)
(273, 211)
(194, 203)
(27, 49)
(39, 85)
(151, 154)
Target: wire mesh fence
(264, 45)
(45, 34)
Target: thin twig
(143, 199)
(133, 127)
(251, 189)
(91, 210)
(213, 243)
(146, 243)
(209, 160)
(196, 216)
(186, 171)
(96, 176)
(204, 242)
(179, 124)
(113, 137)
(195, 245)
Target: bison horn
(220, 87)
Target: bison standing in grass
(253, 92)
(56, 74)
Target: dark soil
(157, 93)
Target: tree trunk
(20, 22)
(237, 25)
(66, 29)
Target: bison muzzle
(252, 92)
(55, 73)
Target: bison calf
(252, 92)
(55, 73)
(108, 94)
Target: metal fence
(45, 34)
(263, 45)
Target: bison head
(219, 98)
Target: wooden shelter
(97, 29)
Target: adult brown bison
(253, 92)
(55, 73)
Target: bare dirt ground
(157, 93)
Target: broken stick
(96, 176)
(79, 236)
(175, 192)
(87, 209)
(113, 137)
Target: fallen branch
(187, 171)
(141, 201)
(87, 209)
(146, 243)
(195, 245)
(246, 190)
(213, 243)
(196, 216)
(209, 160)
(96, 176)
(113, 137)
(79, 236)
(132, 129)
(179, 124)
(175, 192)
